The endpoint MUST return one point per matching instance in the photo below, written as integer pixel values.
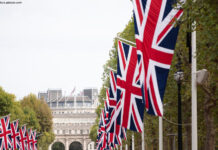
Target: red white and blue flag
(156, 37)
(110, 99)
(29, 139)
(34, 140)
(23, 138)
(101, 139)
(115, 131)
(129, 75)
(5, 133)
(15, 135)
(111, 94)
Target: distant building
(55, 98)
(91, 93)
(73, 116)
(43, 95)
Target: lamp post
(178, 76)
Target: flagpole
(143, 138)
(133, 142)
(160, 133)
(111, 69)
(126, 148)
(194, 93)
(122, 39)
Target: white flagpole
(126, 40)
(194, 94)
(111, 69)
(133, 142)
(143, 138)
(160, 133)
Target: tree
(6, 102)
(44, 118)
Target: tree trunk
(209, 123)
(171, 142)
(165, 145)
(155, 144)
(188, 137)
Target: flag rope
(183, 124)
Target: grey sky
(57, 43)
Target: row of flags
(142, 72)
(13, 138)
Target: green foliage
(17, 112)
(93, 132)
(41, 109)
(30, 118)
(45, 139)
(38, 114)
(6, 102)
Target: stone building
(73, 117)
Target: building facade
(73, 117)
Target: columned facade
(72, 125)
(73, 116)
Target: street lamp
(178, 76)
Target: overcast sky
(57, 43)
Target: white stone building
(73, 117)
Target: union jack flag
(109, 105)
(129, 74)
(5, 133)
(29, 139)
(115, 131)
(101, 139)
(113, 88)
(23, 138)
(111, 95)
(156, 38)
(106, 106)
(34, 140)
(15, 135)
